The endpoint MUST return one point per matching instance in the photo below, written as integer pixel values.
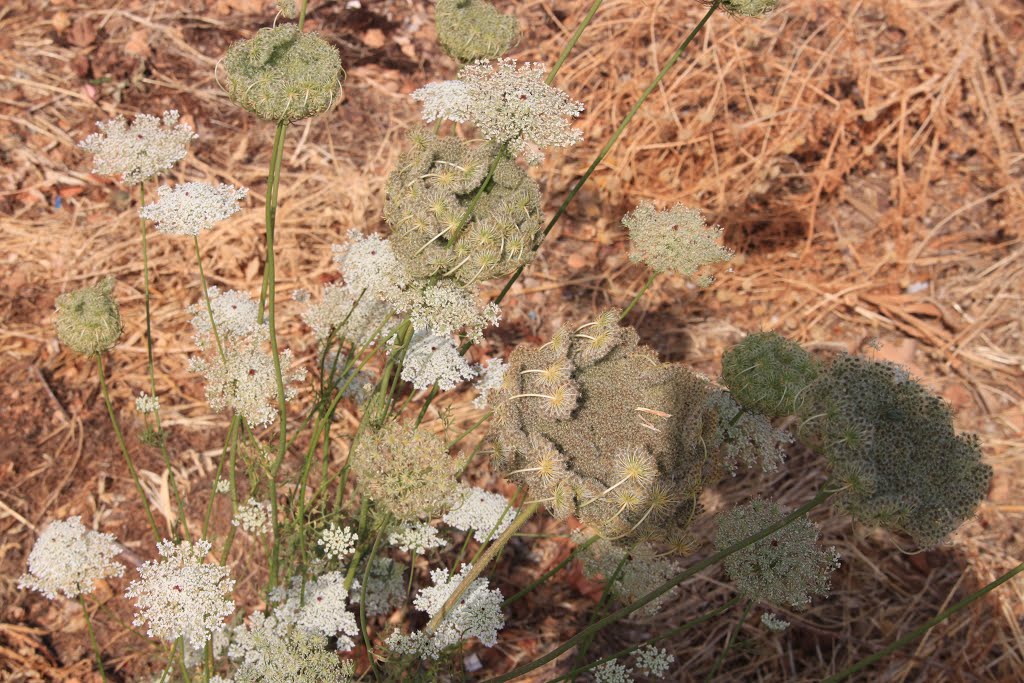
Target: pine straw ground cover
(865, 159)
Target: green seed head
(88, 320)
(469, 30)
(767, 373)
(283, 74)
(749, 8)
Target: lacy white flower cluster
(653, 661)
(271, 651)
(749, 439)
(180, 595)
(190, 208)
(416, 537)
(491, 376)
(145, 403)
(678, 240)
(337, 542)
(239, 372)
(385, 590)
(488, 514)
(509, 104)
(612, 672)
(69, 558)
(477, 615)
(141, 149)
(774, 622)
(253, 517)
(434, 359)
(320, 606)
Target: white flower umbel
(321, 606)
(477, 615)
(190, 208)
(141, 149)
(774, 622)
(654, 661)
(236, 314)
(434, 359)
(612, 672)
(488, 514)
(491, 376)
(337, 543)
(509, 104)
(244, 380)
(181, 596)
(446, 307)
(69, 558)
(677, 240)
(253, 517)
(416, 538)
(146, 403)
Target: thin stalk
(124, 448)
(923, 628)
(615, 136)
(270, 210)
(602, 603)
(206, 297)
(572, 41)
(639, 294)
(536, 583)
(729, 643)
(469, 431)
(92, 637)
(362, 603)
(485, 559)
(824, 494)
(302, 14)
(651, 641)
(232, 434)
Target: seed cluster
(88, 319)
(469, 30)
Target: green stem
(469, 431)
(485, 559)
(533, 585)
(623, 612)
(206, 298)
(638, 295)
(728, 643)
(302, 14)
(923, 628)
(572, 42)
(615, 136)
(92, 637)
(124, 448)
(362, 602)
(270, 210)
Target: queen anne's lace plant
(337, 543)
(68, 558)
(469, 30)
(612, 672)
(676, 240)
(235, 313)
(446, 307)
(244, 380)
(476, 615)
(146, 404)
(768, 374)
(488, 514)
(746, 438)
(181, 596)
(141, 149)
(253, 517)
(639, 569)
(190, 208)
(509, 104)
(434, 359)
(491, 376)
(88, 320)
(416, 537)
(787, 567)
(319, 606)
(269, 651)
(654, 661)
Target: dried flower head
(469, 30)
(190, 208)
(786, 568)
(440, 227)
(892, 448)
(749, 8)
(386, 589)
(139, 150)
(767, 373)
(180, 595)
(88, 320)
(746, 438)
(509, 104)
(268, 651)
(283, 74)
(676, 240)
(597, 427)
(69, 558)
(406, 470)
(636, 571)
(253, 517)
(487, 514)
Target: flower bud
(469, 30)
(283, 74)
(88, 320)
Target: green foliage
(88, 320)
(766, 373)
(283, 74)
(469, 30)
(597, 427)
(891, 443)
